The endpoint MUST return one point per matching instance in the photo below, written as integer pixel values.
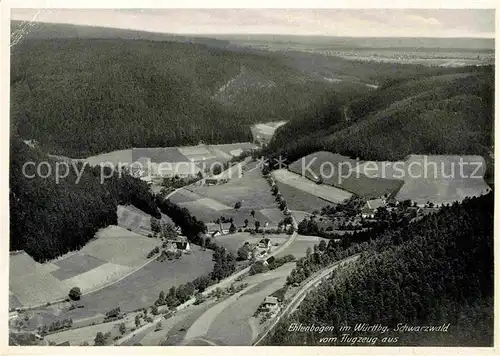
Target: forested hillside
(79, 97)
(436, 271)
(422, 114)
(48, 219)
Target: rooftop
(271, 300)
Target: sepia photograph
(251, 177)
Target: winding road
(302, 293)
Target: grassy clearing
(338, 172)
(119, 246)
(299, 246)
(273, 214)
(75, 264)
(206, 203)
(141, 288)
(183, 195)
(323, 191)
(297, 199)
(114, 253)
(114, 158)
(439, 179)
(251, 190)
(31, 282)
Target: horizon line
(249, 33)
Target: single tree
(246, 223)
(123, 328)
(99, 339)
(75, 293)
(322, 245)
(252, 213)
(237, 205)
(137, 321)
(232, 229)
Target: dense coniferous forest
(80, 97)
(49, 218)
(446, 113)
(438, 270)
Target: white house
(370, 208)
(270, 304)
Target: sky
(327, 22)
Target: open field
(31, 282)
(323, 191)
(441, 180)
(251, 190)
(297, 199)
(114, 158)
(141, 288)
(299, 246)
(341, 171)
(234, 241)
(114, 253)
(137, 290)
(273, 214)
(265, 131)
(234, 149)
(184, 195)
(206, 154)
(208, 203)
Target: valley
(218, 190)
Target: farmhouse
(215, 181)
(265, 244)
(183, 245)
(215, 229)
(269, 304)
(370, 208)
(211, 181)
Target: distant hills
(44, 30)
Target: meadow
(299, 246)
(442, 182)
(114, 252)
(323, 191)
(346, 174)
(208, 203)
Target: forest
(448, 113)
(431, 272)
(81, 97)
(49, 218)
